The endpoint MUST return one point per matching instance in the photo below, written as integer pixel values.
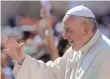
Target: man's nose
(65, 35)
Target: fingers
(6, 43)
(6, 51)
(13, 55)
(13, 48)
(11, 43)
(14, 43)
(13, 40)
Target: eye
(66, 30)
(69, 31)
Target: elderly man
(87, 58)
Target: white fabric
(81, 11)
(90, 62)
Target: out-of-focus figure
(6, 71)
(41, 40)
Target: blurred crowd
(39, 42)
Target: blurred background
(26, 22)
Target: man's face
(73, 29)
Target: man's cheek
(74, 37)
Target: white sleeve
(36, 69)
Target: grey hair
(89, 19)
(94, 23)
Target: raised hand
(14, 49)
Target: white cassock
(92, 61)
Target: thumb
(21, 52)
(21, 48)
(21, 45)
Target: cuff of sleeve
(19, 68)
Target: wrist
(21, 53)
(49, 32)
(20, 61)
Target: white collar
(92, 41)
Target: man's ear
(86, 28)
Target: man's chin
(72, 46)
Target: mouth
(71, 42)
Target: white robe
(90, 62)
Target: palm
(14, 49)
